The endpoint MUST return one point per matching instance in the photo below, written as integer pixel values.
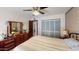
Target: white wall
(10, 14)
(72, 20)
(61, 16)
(7, 15)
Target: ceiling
(47, 11)
(51, 10)
(57, 10)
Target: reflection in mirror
(14, 28)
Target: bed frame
(74, 35)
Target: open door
(35, 28)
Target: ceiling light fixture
(36, 12)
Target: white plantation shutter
(50, 28)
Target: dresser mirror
(14, 28)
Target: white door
(35, 28)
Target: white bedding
(40, 43)
(72, 43)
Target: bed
(41, 43)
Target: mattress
(41, 43)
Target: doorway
(35, 27)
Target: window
(50, 27)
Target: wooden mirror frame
(9, 27)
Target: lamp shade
(65, 32)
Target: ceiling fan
(37, 10)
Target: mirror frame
(9, 27)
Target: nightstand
(63, 37)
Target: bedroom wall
(8, 15)
(72, 20)
(61, 16)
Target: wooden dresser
(13, 41)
